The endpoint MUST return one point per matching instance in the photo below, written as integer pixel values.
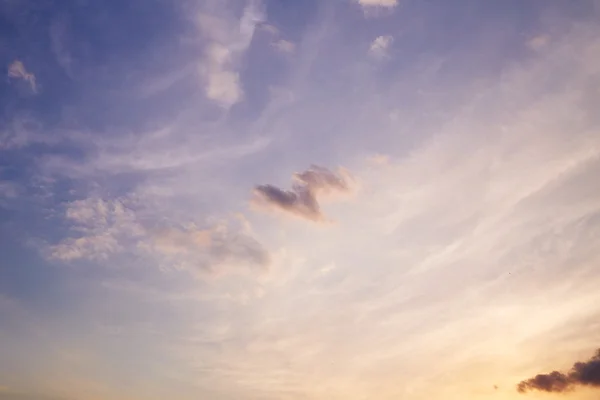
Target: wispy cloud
(8, 189)
(17, 70)
(380, 46)
(109, 228)
(538, 43)
(284, 46)
(302, 200)
(583, 373)
(59, 39)
(227, 42)
(378, 3)
(379, 159)
(471, 246)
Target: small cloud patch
(17, 70)
(378, 3)
(284, 46)
(380, 46)
(308, 189)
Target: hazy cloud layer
(308, 188)
(583, 373)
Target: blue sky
(279, 199)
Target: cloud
(303, 200)
(228, 40)
(271, 29)
(108, 228)
(585, 373)
(58, 41)
(284, 46)
(213, 250)
(379, 47)
(378, 3)
(17, 70)
(378, 159)
(103, 226)
(538, 43)
(223, 87)
(8, 189)
(487, 195)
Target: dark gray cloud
(586, 373)
(303, 199)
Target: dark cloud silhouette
(303, 199)
(581, 374)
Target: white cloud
(269, 28)
(378, 3)
(224, 87)
(106, 229)
(228, 41)
(17, 70)
(379, 47)
(284, 46)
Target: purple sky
(297, 199)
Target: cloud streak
(378, 3)
(583, 373)
(303, 199)
(227, 42)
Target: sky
(299, 199)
